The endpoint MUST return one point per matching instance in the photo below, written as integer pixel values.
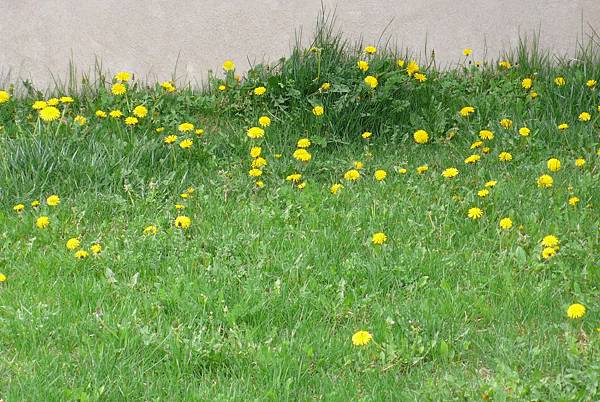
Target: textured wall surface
(38, 38)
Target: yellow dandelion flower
(302, 155)
(584, 116)
(505, 156)
(379, 238)
(548, 253)
(4, 97)
(371, 81)
(318, 110)
(486, 135)
(483, 193)
(53, 200)
(185, 127)
(42, 222)
(580, 162)
(96, 248)
(591, 83)
(412, 68)
(150, 230)
(450, 172)
(527, 83)
(370, 49)
(421, 136)
(545, 181)
(563, 126)
(475, 213)
(550, 241)
(170, 139)
(80, 120)
(467, 51)
(422, 169)
(259, 91)
(380, 175)
(576, 311)
(123, 76)
(352, 175)
(466, 111)
(335, 188)
(131, 121)
(254, 172)
(506, 123)
(255, 152)
(524, 131)
(294, 177)
(255, 132)
(101, 114)
(140, 111)
(228, 65)
(472, 159)
(49, 113)
(115, 114)
(183, 222)
(363, 65)
(325, 86)
(185, 144)
(264, 121)
(73, 243)
(361, 338)
(573, 201)
(553, 165)
(118, 89)
(560, 81)
(81, 254)
(39, 105)
(303, 143)
(491, 183)
(506, 223)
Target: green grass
(259, 298)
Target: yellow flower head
(82, 254)
(506, 223)
(19, 208)
(325, 86)
(183, 222)
(472, 159)
(358, 165)
(96, 248)
(486, 135)
(131, 121)
(563, 126)
(66, 99)
(371, 81)
(101, 114)
(550, 241)
(254, 172)
(49, 113)
(505, 64)
(80, 120)
(524, 131)
(73, 243)
(123, 76)
(560, 81)
(185, 144)
(335, 188)
(450, 172)
(352, 175)
(318, 110)
(580, 162)
(573, 201)
(420, 77)
(421, 136)
(422, 169)
(363, 65)
(303, 143)
(379, 238)
(185, 127)
(302, 155)
(228, 65)
(412, 68)
(491, 183)
(553, 165)
(506, 123)
(170, 139)
(527, 83)
(576, 311)
(255, 152)
(483, 193)
(380, 175)
(585, 116)
(2, 277)
(115, 114)
(264, 121)
(467, 52)
(168, 86)
(4, 97)
(545, 181)
(259, 162)
(475, 213)
(370, 50)
(42, 222)
(591, 83)
(53, 200)
(548, 253)
(400, 63)
(140, 111)
(151, 230)
(255, 132)
(361, 338)
(39, 105)
(118, 89)
(294, 177)
(366, 135)
(505, 157)
(260, 91)
(466, 111)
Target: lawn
(347, 224)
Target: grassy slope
(260, 297)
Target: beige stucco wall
(40, 37)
